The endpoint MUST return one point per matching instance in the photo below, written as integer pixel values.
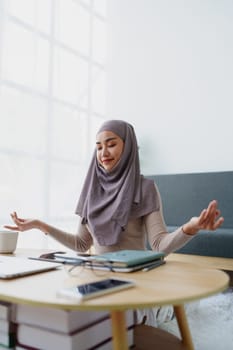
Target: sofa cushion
(217, 243)
(186, 195)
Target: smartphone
(95, 289)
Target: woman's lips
(106, 161)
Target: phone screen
(99, 286)
(93, 289)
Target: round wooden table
(173, 283)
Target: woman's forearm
(66, 238)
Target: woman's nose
(105, 151)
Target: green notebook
(130, 257)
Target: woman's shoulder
(148, 184)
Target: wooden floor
(150, 338)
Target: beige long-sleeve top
(139, 232)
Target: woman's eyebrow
(106, 140)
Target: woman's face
(109, 149)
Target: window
(52, 100)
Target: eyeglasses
(99, 269)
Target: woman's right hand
(22, 224)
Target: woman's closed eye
(111, 145)
(99, 148)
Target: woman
(118, 207)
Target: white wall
(171, 76)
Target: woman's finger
(14, 228)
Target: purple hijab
(109, 198)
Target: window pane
(23, 9)
(41, 64)
(100, 6)
(70, 77)
(72, 25)
(37, 13)
(43, 15)
(98, 91)
(66, 183)
(23, 121)
(32, 239)
(22, 186)
(94, 127)
(86, 2)
(22, 189)
(25, 57)
(69, 134)
(99, 40)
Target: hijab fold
(110, 198)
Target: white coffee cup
(8, 241)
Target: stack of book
(49, 328)
(130, 260)
(7, 327)
(118, 261)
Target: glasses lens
(74, 270)
(100, 268)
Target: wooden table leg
(183, 326)
(119, 332)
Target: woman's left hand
(209, 219)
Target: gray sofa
(185, 195)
